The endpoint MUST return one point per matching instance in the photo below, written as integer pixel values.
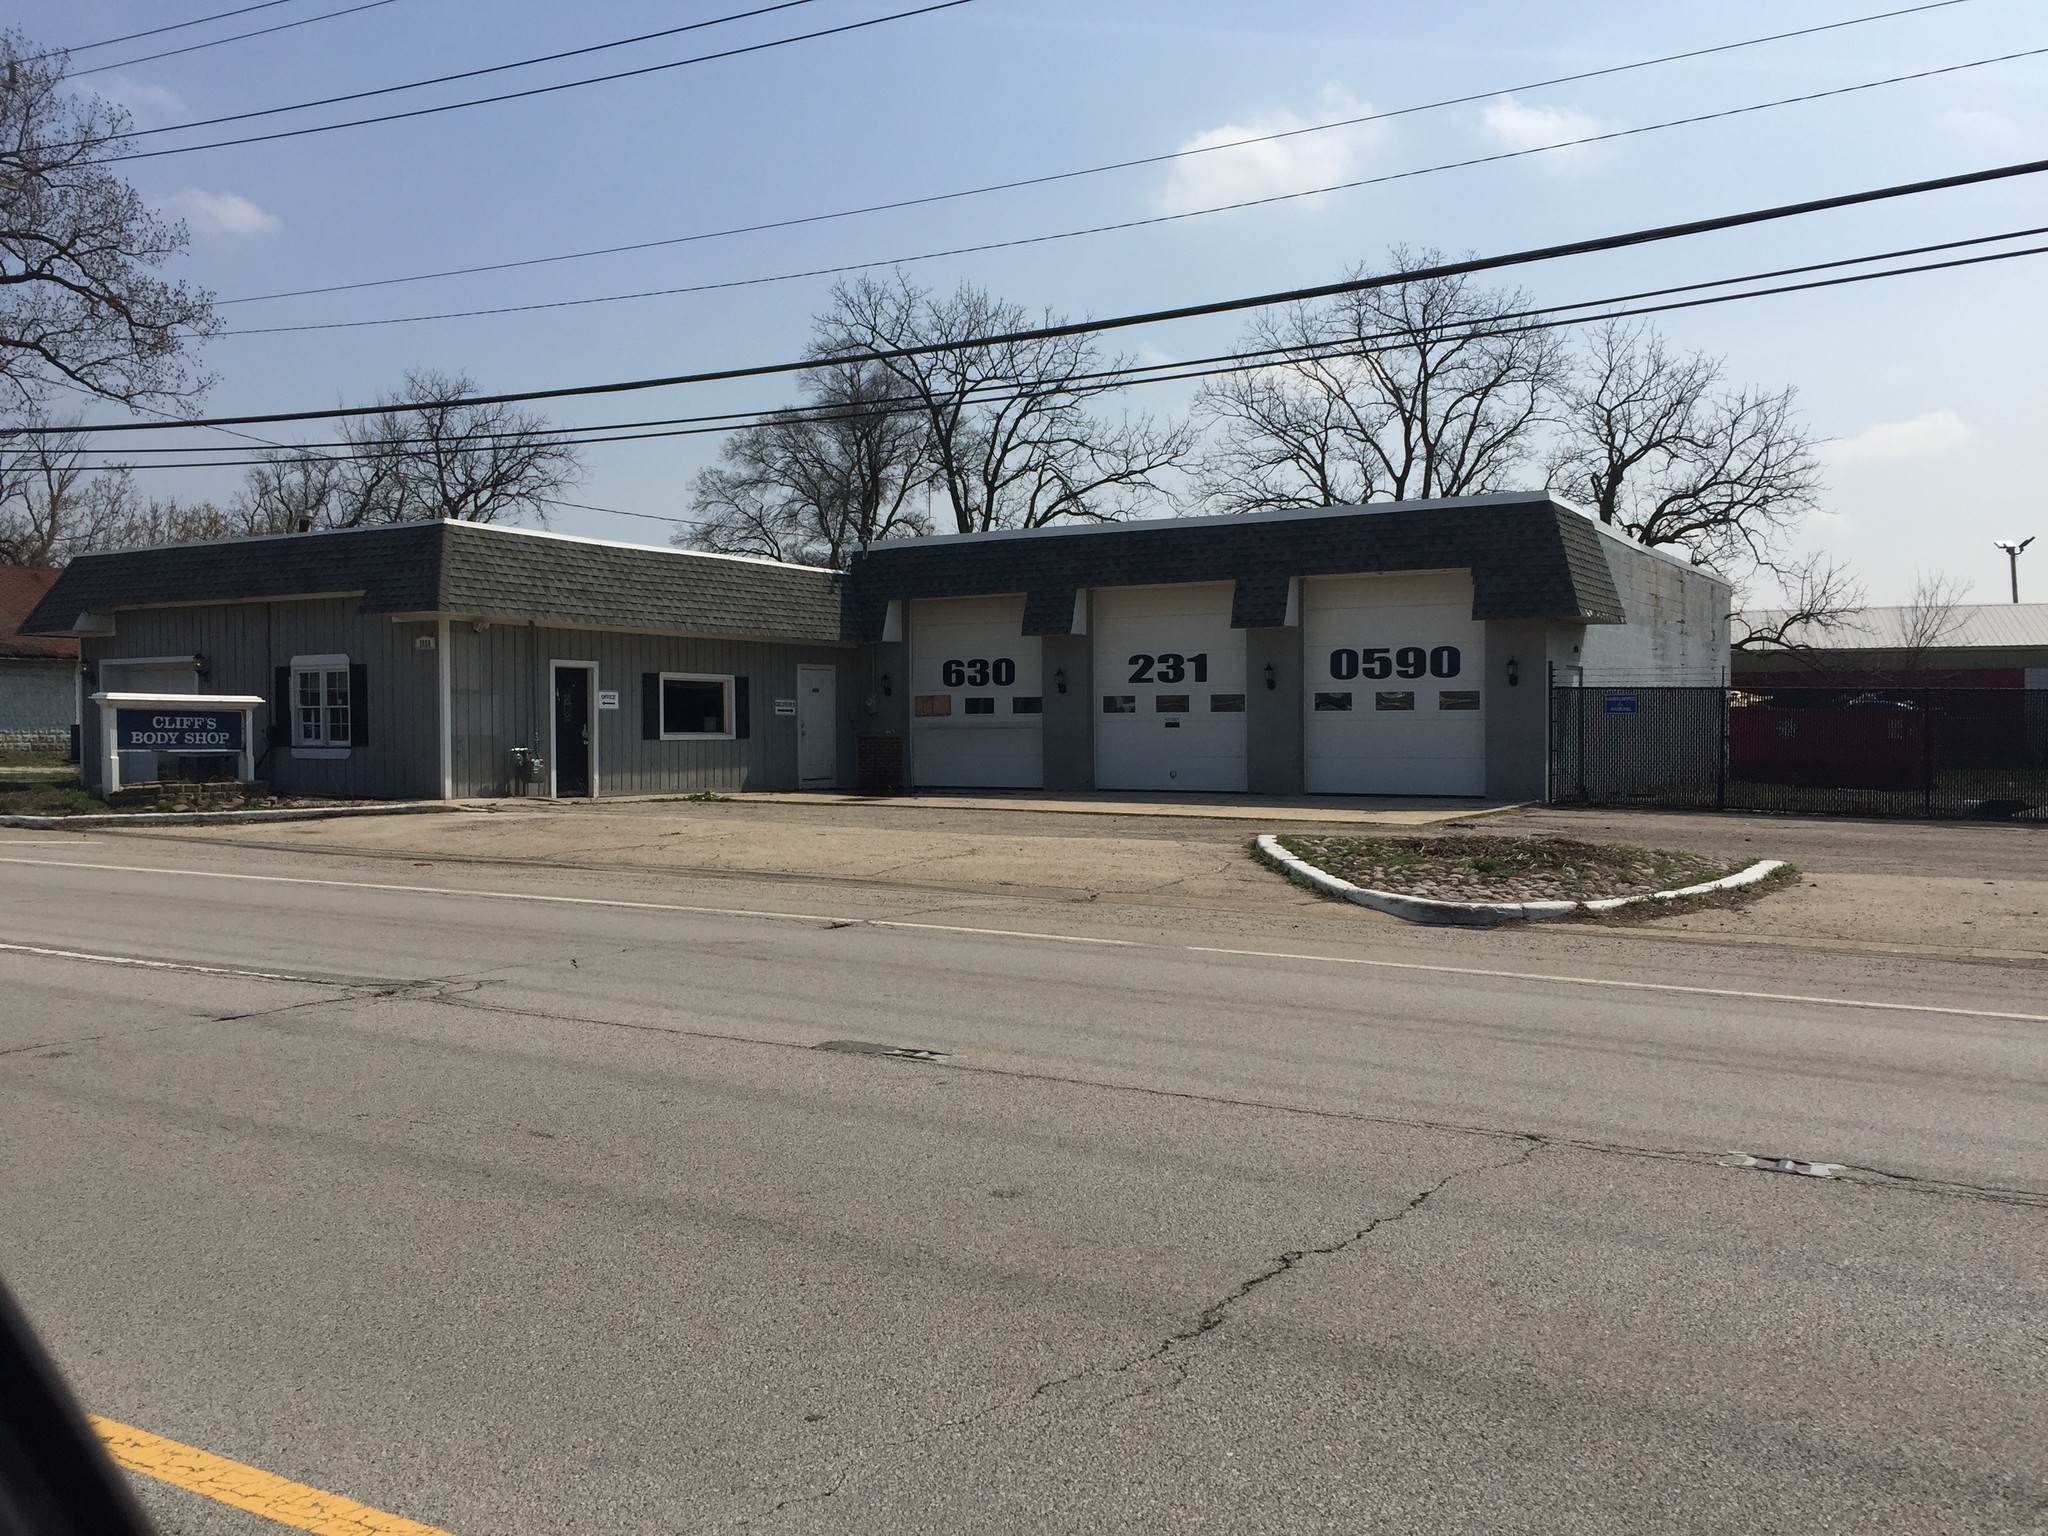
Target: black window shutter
(650, 706)
(358, 705)
(742, 716)
(281, 709)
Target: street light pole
(2012, 550)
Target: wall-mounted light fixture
(1059, 678)
(1514, 673)
(1272, 677)
(201, 668)
(888, 688)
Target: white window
(696, 707)
(323, 713)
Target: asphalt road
(526, 1201)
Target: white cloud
(221, 213)
(152, 106)
(1516, 126)
(1220, 177)
(1936, 432)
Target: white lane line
(1632, 986)
(165, 965)
(1049, 938)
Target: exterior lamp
(1272, 677)
(1059, 678)
(888, 688)
(1514, 673)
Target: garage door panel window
(1170, 703)
(1332, 703)
(1032, 704)
(1458, 698)
(1393, 701)
(696, 707)
(1119, 703)
(1226, 703)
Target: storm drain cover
(872, 1048)
(1796, 1165)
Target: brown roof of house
(21, 588)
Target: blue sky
(1930, 390)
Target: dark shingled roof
(464, 568)
(1531, 558)
(21, 588)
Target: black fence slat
(1943, 752)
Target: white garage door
(976, 701)
(1394, 696)
(1169, 689)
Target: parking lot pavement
(1954, 890)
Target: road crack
(1173, 1349)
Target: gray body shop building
(1402, 649)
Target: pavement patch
(251, 1488)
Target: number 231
(1172, 667)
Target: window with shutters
(696, 707)
(323, 710)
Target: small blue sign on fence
(162, 730)
(1619, 703)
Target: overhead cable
(1540, 318)
(1655, 234)
(176, 26)
(1131, 372)
(236, 37)
(467, 74)
(1122, 224)
(1093, 170)
(546, 90)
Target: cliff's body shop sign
(162, 730)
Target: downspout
(445, 666)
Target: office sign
(184, 730)
(607, 698)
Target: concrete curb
(221, 818)
(1485, 914)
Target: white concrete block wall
(1677, 629)
(38, 705)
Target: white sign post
(181, 724)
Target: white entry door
(1394, 686)
(817, 727)
(1169, 689)
(976, 700)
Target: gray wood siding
(245, 643)
(501, 682)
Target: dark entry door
(572, 731)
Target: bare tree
(288, 489)
(1823, 599)
(1928, 618)
(1662, 450)
(1011, 440)
(429, 454)
(53, 506)
(1417, 390)
(816, 484)
(78, 301)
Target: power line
(176, 26)
(1123, 224)
(1656, 234)
(1127, 372)
(545, 90)
(467, 74)
(172, 53)
(1541, 317)
(1094, 170)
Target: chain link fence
(1873, 752)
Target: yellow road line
(251, 1488)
